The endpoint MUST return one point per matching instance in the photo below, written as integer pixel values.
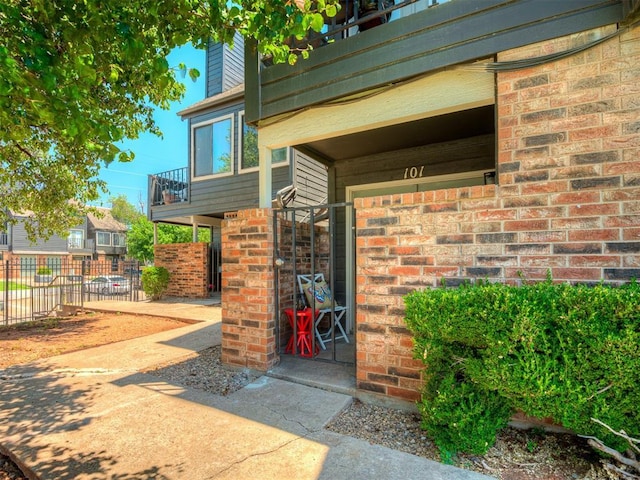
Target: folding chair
(320, 298)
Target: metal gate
(313, 299)
(32, 290)
(214, 280)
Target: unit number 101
(413, 172)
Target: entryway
(315, 314)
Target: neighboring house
(94, 238)
(477, 140)
(108, 235)
(221, 175)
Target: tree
(140, 237)
(140, 240)
(79, 77)
(123, 211)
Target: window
(75, 239)
(119, 239)
(211, 147)
(248, 142)
(103, 239)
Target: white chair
(319, 297)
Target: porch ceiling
(443, 128)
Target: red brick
(594, 235)
(594, 274)
(594, 209)
(595, 261)
(526, 225)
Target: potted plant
(43, 274)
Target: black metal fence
(30, 291)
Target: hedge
(568, 352)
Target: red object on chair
(302, 341)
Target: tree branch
(621, 433)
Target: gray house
(100, 238)
(222, 171)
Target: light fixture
(490, 178)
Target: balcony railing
(80, 244)
(4, 238)
(169, 187)
(356, 16)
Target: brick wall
(188, 264)
(248, 292)
(568, 202)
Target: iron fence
(30, 291)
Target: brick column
(248, 293)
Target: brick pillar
(248, 293)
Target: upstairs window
(119, 239)
(103, 239)
(75, 239)
(249, 157)
(212, 147)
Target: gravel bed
(205, 371)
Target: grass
(12, 286)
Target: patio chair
(319, 297)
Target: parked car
(108, 285)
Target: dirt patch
(54, 336)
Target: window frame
(241, 169)
(192, 143)
(98, 239)
(121, 236)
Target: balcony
(378, 48)
(77, 245)
(169, 187)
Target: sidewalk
(92, 414)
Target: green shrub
(568, 352)
(155, 281)
(44, 271)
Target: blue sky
(153, 154)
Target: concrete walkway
(92, 414)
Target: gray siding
(214, 69)
(448, 34)
(310, 180)
(225, 66)
(20, 243)
(233, 67)
(467, 154)
(215, 196)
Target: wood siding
(214, 69)
(449, 34)
(21, 244)
(233, 68)
(463, 155)
(224, 66)
(310, 179)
